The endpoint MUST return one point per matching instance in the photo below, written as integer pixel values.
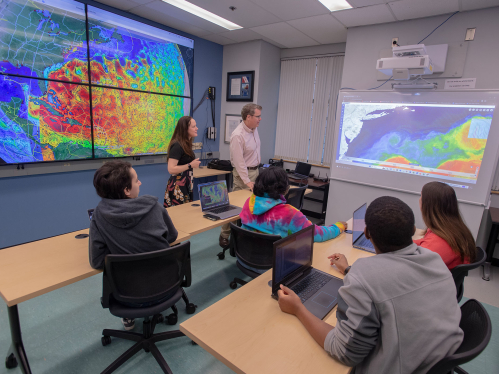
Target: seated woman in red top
(446, 233)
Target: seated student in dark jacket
(123, 222)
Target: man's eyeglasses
(260, 116)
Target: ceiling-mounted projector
(407, 61)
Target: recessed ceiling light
(334, 5)
(204, 14)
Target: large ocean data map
(125, 53)
(450, 138)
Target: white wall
(264, 59)
(316, 50)
(362, 50)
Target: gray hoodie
(397, 313)
(128, 226)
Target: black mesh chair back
(461, 271)
(253, 248)
(145, 277)
(295, 196)
(477, 328)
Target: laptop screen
(359, 222)
(213, 194)
(303, 168)
(291, 254)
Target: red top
(437, 244)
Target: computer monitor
(303, 168)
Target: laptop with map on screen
(214, 198)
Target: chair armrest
(106, 291)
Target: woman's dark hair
(273, 181)
(390, 223)
(441, 215)
(181, 136)
(111, 179)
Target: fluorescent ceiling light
(204, 14)
(334, 5)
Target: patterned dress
(179, 187)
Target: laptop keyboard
(365, 243)
(299, 176)
(310, 285)
(222, 209)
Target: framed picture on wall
(231, 122)
(240, 86)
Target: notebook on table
(214, 198)
(292, 267)
(359, 240)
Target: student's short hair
(111, 179)
(390, 223)
(273, 181)
(249, 109)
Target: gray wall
(264, 59)
(362, 50)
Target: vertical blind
(307, 105)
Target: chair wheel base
(11, 361)
(233, 285)
(190, 308)
(160, 318)
(221, 256)
(172, 319)
(105, 340)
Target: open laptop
(214, 198)
(359, 240)
(302, 170)
(292, 267)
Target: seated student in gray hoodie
(397, 311)
(123, 222)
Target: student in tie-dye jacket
(266, 210)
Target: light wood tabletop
(33, 269)
(248, 332)
(205, 172)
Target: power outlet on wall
(395, 42)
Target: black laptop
(359, 240)
(317, 290)
(302, 170)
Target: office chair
(253, 249)
(147, 278)
(461, 271)
(295, 196)
(475, 323)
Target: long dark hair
(181, 136)
(441, 214)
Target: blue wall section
(36, 207)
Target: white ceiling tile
(410, 9)
(478, 4)
(124, 4)
(369, 15)
(285, 35)
(169, 21)
(241, 35)
(217, 38)
(363, 3)
(292, 9)
(246, 14)
(325, 29)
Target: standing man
(244, 156)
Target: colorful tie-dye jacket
(270, 216)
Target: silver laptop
(214, 197)
(359, 240)
(292, 267)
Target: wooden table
(247, 331)
(33, 269)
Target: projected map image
(446, 141)
(134, 123)
(214, 194)
(44, 39)
(43, 121)
(125, 53)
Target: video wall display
(140, 83)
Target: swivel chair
(461, 271)
(295, 196)
(475, 323)
(253, 249)
(153, 280)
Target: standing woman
(446, 233)
(181, 162)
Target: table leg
(228, 180)
(490, 251)
(324, 204)
(17, 347)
